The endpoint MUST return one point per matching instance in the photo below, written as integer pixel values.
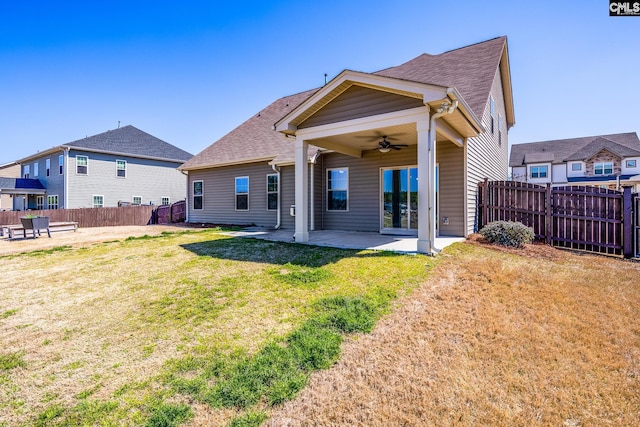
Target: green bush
(508, 233)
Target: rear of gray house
(120, 166)
(398, 151)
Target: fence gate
(577, 217)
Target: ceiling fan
(385, 146)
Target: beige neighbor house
(398, 151)
(8, 172)
(609, 161)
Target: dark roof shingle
(471, 70)
(131, 141)
(624, 144)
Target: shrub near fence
(88, 217)
(577, 217)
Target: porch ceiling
(357, 143)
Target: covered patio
(347, 239)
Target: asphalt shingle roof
(131, 141)
(470, 70)
(20, 183)
(623, 144)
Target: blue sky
(189, 72)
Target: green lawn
(192, 326)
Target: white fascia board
(428, 92)
(40, 154)
(475, 122)
(117, 153)
(394, 118)
(234, 163)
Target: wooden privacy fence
(168, 214)
(88, 217)
(577, 217)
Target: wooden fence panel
(577, 217)
(88, 217)
(168, 214)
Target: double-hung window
(164, 201)
(492, 113)
(137, 200)
(60, 164)
(121, 168)
(82, 165)
(272, 192)
(242, 193)
(338, 189)
(198, 195)
(98, 201)
(539, 171)
(47, 165)
(604, 168)
(499, 129)
(52, 202)
(35, 170)
(39, 202)
(26, 172)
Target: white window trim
(492, 113)
(86, 157)
(26, 171)
(573, 165)
(546, 167)
(93, 201)
(47, 167)
(36, 169)
(603, 165)
(162, 200)
(133, 200)
(194, 195)
(235, 189)
(39, 205)
(49, 204)
(277, 192)
(125, 168)
(61, 164)
(627, 162)
(327, 189)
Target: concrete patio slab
(347, 239)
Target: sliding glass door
(399, 196)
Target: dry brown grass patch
(495, 337)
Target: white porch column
(302, 191)
(426, 186)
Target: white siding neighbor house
(610, 161)
(120, 166)
(397, 151)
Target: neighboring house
(120, 166)
(326, 151)
(610, 161)
(8, 170)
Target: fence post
(547, 215)
(627, 223)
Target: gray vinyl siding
(364, 188)
(219, 195)
(450, 159)
(357, 102)
(54, 183)
(149, 179)
(485, 157)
